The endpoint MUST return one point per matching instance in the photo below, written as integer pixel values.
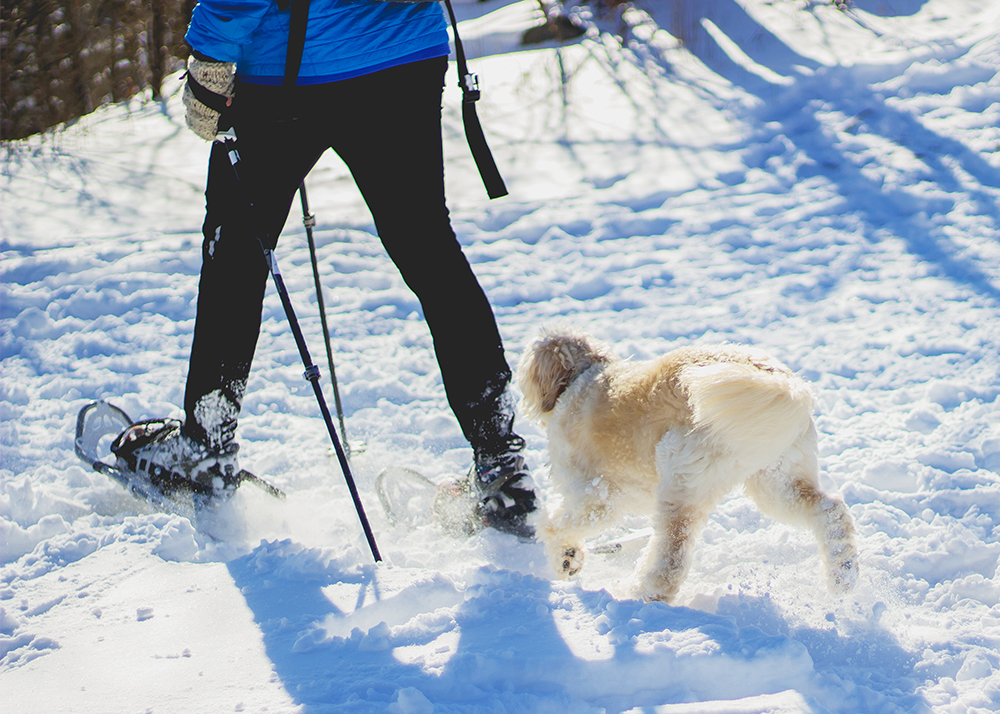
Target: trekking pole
(228, 141)
(309, 221)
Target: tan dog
(671, 437)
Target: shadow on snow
(503, 641)
(792, 110)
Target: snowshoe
(461, 507)
(410, 500)
(101, 426)
(407, 496)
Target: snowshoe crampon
(101, 428)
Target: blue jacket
(344, 38)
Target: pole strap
(212, 100)
(469, 83)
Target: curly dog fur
(671, 437)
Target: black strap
(296, 40)
(206, 96)
(469, 83)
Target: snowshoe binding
(158, 450)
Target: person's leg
(392, 145)
(276, 151)
(391, 142)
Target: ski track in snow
(824, 185)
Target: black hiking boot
(503, 485)
(497, 493)
(173, 462)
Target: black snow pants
(386, 126)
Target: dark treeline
(60, 59)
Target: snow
(823, 185)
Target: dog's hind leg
(789, 492)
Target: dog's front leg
(564, 531)
(694, 477)
(669, 553)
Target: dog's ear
(542, 376)
(550, 365)
(559, 365)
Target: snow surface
(820, 184)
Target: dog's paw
(653, 586)
(569, 561)
(843, 572)
(840, 551)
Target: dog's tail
(751, 410)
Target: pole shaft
(309, 221)
(312, 373)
